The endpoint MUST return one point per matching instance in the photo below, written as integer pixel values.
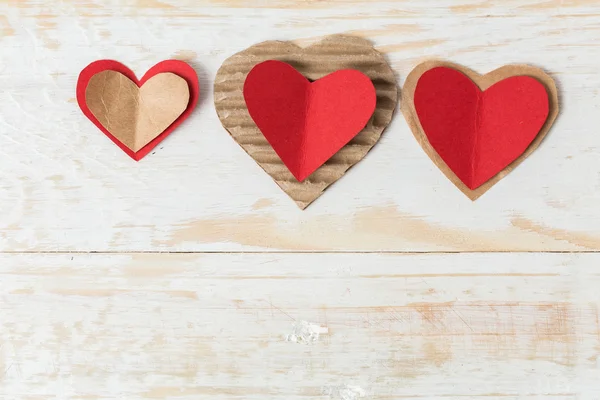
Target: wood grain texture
(263, 326)
(122, 324)
(64, 186)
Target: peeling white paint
(306, 333)
(344, 392)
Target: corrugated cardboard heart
(314, 62)
(483, 82)
(135, 115)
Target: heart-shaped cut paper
(307, 123)
(137, 114)
(478, 128)
(332, 54)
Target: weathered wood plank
(64, 186)
(149, 326)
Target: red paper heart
(476, 133)
(176, 67)
(307, 123)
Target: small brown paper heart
(135, 116)
(483, 82)
(314, 62)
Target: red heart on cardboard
(176, 67)
(306, 122)
(479, 133)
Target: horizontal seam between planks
(275, 252)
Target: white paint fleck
(306, 333)
(344, 392)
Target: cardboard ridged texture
(314, 62)
(483, 82)
(136, 116)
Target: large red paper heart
(307, 123)
(479, 133)
(176, 67)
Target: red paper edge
(177, 67)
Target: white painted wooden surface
(240, 326)
(130, 323)
(65, 187)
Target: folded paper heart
(477, 128)
(307, 123)
(137, 115)
(275, 143)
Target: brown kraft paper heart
(136, 115)
(483, 82)
(314, 62)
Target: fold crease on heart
(307, 122)
(479, 133)
(136, 115)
